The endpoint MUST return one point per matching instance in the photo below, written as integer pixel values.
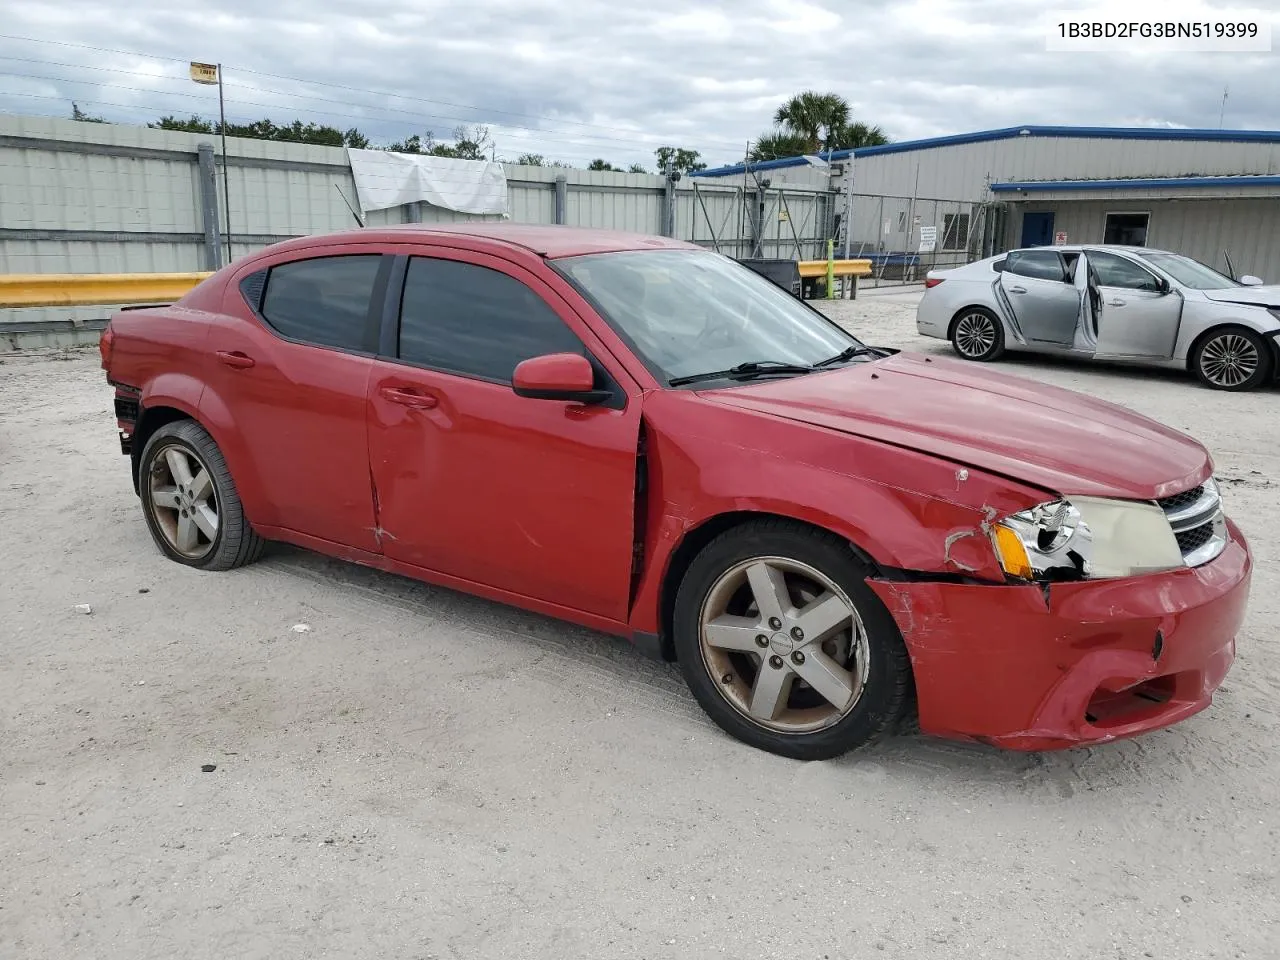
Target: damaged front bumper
(1087, 662)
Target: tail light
(931, 282)
(104, 347)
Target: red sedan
(647, 438)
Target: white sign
(1060, 238)
(928, 239)
(887, 225)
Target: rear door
(534, 497)
(1037, 288)
(290, 370)
(1142, 313)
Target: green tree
(531, 160)
(774, 146)
(295, 132)
(854, 135)
(678, 160)
(637, 168)
(598, 164)
(817, 117)
(78, 114)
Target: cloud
(606, 79)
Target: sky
(578, 79)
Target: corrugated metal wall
(961, 172)
(1202, 229)
(100, 198)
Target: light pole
(211, 73)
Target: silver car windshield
(686, 312)
(1190, 273)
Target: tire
(204, 501)
(731, 675)
(1232, 358)
(977, 334)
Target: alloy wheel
(184, 502)
(1229, 360)
(784, 645)
(975, 335)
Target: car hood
(1268, 296)
(1055, 439)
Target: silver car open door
(1089, 319)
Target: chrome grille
(1198, 522)
(1179, 500)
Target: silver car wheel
(1229, 360)
(975, 335)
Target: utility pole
(211, 73)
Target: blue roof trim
(1149, 183)
(1008, 133)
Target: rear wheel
(1233, 358)
(190, 502)
(785, 646)
(976, 334)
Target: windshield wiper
(848, 353)
(743, 371)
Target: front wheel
(1234, 358)
(190, 501)
(785, 646)
(977, 334)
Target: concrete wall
(1199, 228)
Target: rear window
(323, 301)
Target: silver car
(1105, 302)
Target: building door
(1037, 229)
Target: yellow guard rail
(93, 289)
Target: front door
(534, 497)
(1142, 313)
(1036, 286)
(292, 373)
(1037, 229)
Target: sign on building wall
(1060, 238)
(928, 239)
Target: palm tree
(859, 134)
(817, 117)
(772, 146)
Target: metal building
(1209, 194)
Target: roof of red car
(547, 241)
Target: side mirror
(1251, 281)
(557, 376)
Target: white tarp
(386, 179)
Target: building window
(955, 231)
(1127, 229)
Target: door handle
(1017, 289)
(408, 398)
(1117, 302)
(234, 358)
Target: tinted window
(476, 321)
(323, 301)
(1116, 271)
(1040, 264)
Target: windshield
(689, 312)
(1190, 273)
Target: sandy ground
(425, 775)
